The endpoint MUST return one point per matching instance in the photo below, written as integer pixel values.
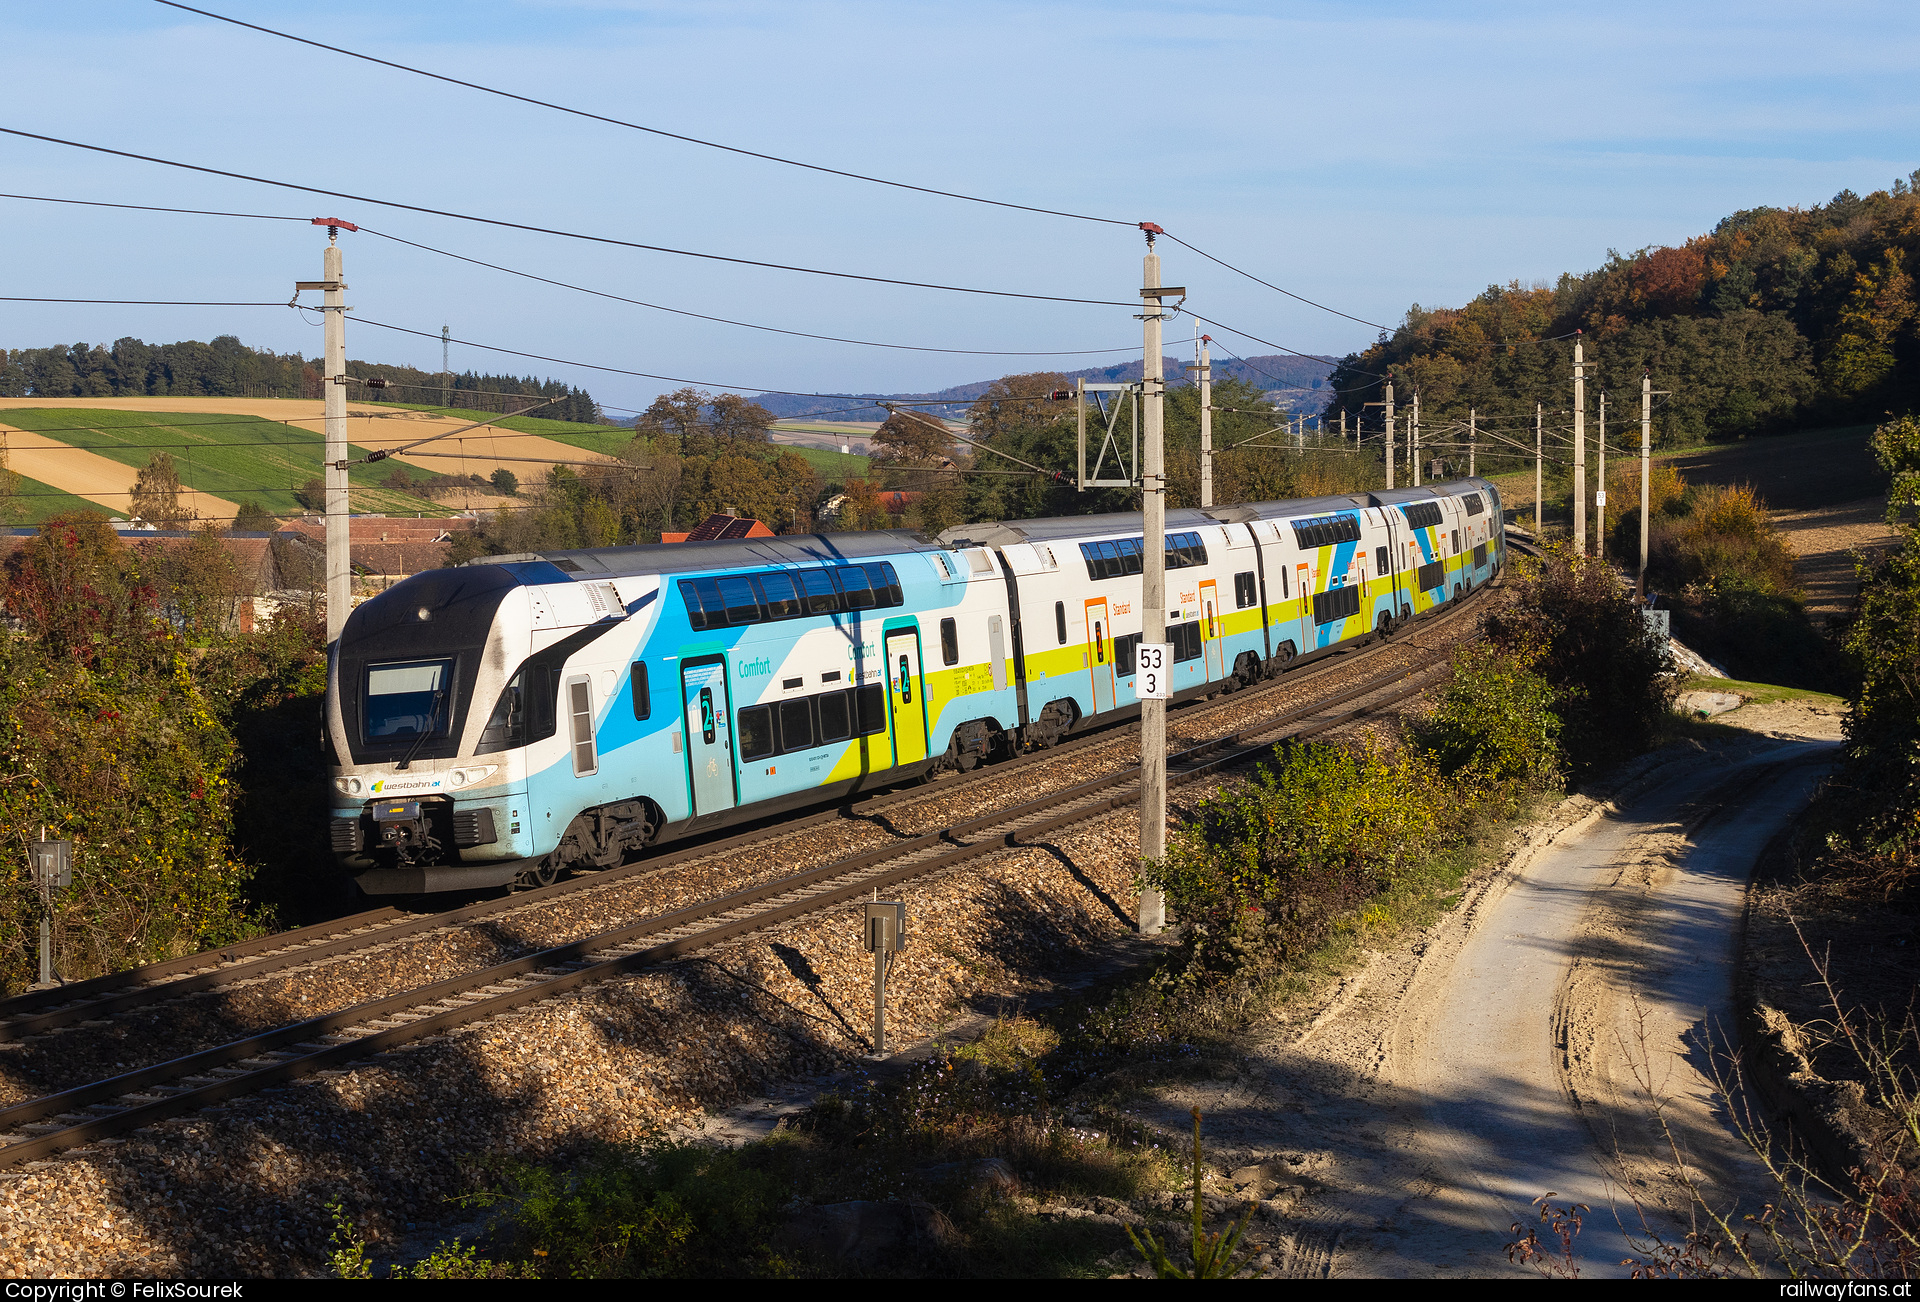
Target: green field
(234, 457)
(612, 440)
(37, 501)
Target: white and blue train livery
(509, 719)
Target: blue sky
(1364, 155)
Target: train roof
(721, 554)
(1002, 533)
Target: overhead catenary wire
(562, 284)
(656, 131)
(571, 235)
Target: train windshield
(407, 699)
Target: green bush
(1583, 635)
(1495, 730)
(652, 1210)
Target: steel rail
(293, 1051)
(40, 1011)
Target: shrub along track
(108, 1104)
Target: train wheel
(541, 872)
(1383, 626)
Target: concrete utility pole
(1646, 476)
(1152, 915)
(1343, 424)
(1389, 435)
(334, 380)
(1579, 450)
(1203, 373)
(446, 367)
(1413, 439)
(1473, 441)
(1539, 461)
(1600, 478)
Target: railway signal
(52, 863)
(886, 936)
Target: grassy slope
(38, 501)
(235, 457)
(1758, 693)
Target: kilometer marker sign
(1155, 669)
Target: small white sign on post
(1155, 670)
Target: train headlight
(348, 786)
(458, 778)
(469, 777)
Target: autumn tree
(253, 518)
(916, 454)
(156, 494)
(1013, 401)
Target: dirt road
(1504, 1053)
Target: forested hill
(227, 368)
(1287, 379)
(1778, 316)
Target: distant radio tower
(446, 391)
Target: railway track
(84, 1114)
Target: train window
(756, 732)
(1110, 566)
(777, 589)
(1431, 576)
(1060, 621)
(949, 642)
(742, 603)
(834, 724)
(637, 679)
(1456, 542)
(580, 715)
(1186, 640)
(1283, 583)
(1422, 515)
(1132, 553)
(1244, 592)
(507, 726)
(408, 699)
(1126, 652)
(818, 593)
(1338, 603)
(796, 724)
(1474, 504)
(886, 584)
(1380, 561)
(855, 587)
(1480, 554)
(831, 676)
(871, 706)
(690, 595)
(1185, 549)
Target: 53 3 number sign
(1156, 671)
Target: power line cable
(563, 234)
(749, 325)
(583, 289)
(1248, 274)
(134, 302)
(656, 131)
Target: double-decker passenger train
(509, 719)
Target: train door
(1304, 586)
(709, 740)
(1210, 630)
(904, 689)
(1100, 654)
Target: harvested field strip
(228, 457)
